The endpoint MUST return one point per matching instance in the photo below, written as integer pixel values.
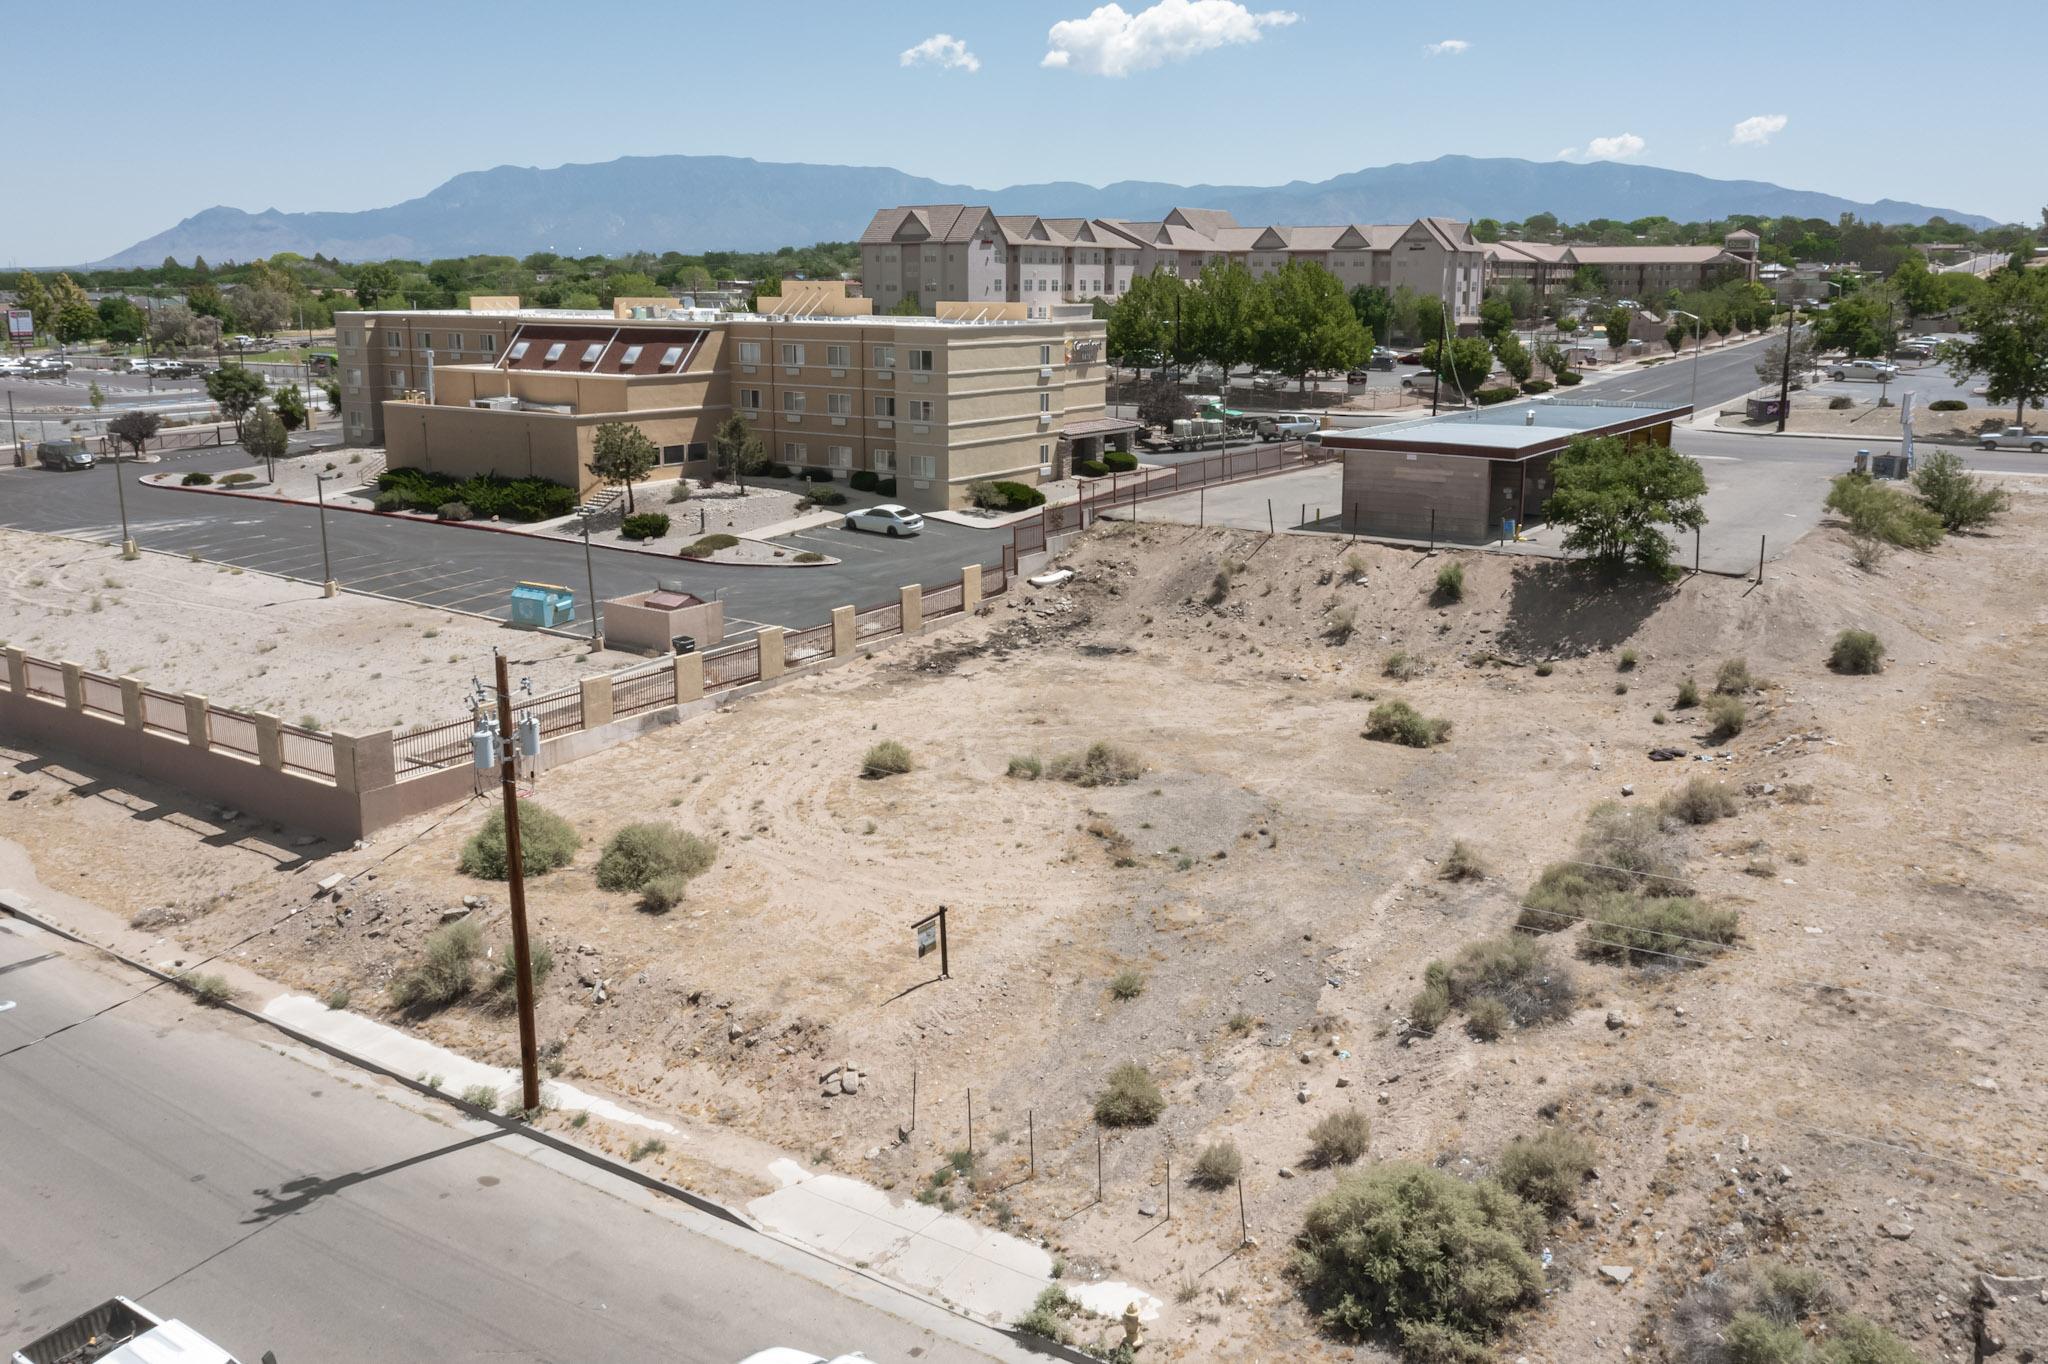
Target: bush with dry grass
(1702, 800)
(1462, 863)
(1857, 652)
(546, 841)
(1102, 764)
(1514, 969)
(1547, 1169)
(1650, 930)
(1726, 717)
(1339, 1138)
(1218, 1166)
(1401, 665)
(1397, 722)
(445, 971)
(638, 853)
(1734, 678)
(1130, 1098)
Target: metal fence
(943, 601)
(732, 667)
(559, 713)
(307, 752)
(800, 646)
(1099, 495)
(426, 747)
(879, 621)
(102, 695)
(633, 692)
(163, 713)
(235, 733)
(45, 679)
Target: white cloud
(1759, 130)
(1110, 42)
(1620, 147)
(1449, 47)
(942, 50)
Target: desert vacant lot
(1853, 1083)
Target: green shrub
(505, 979)
(1546, 1170)
(1658, 930)
(1131, 1098)
(1788, 1292)
(1734, 679)
(1488, 1019)
(454, 511)
(1403, 1247)
(810, 474)
(1450, 581)
(1856, 1340)
(709, 545)
(515, 499)
(1025, 767)
(1952, 492)
(1487, 397)
(1103, 764)
(778, 470)
(482, 1096)
(546, 841)
(1883, 514)
(1514, 969)
(639, 853)
(1397, 722)
(1401, 665)
(1090, 468)
(1630, 839)
(1570, 377)
(1339, 1138)
(1219, 1165)
(445, 971)
(1535, 386)
(195, 479)
(1840, 403)
(1044, 1319)
(862, 480)
(680, 492)
(1126, 984)
(209, 989)
(1428, 1008)
(888, 758)
(1702, 800)
(645, 526)
(1120, 462)
(1947, 405)
(825, 495)
(1753, 1338)
(1688, 695)
(1462, 863)
(660, 894)
(1626, 663)
(1726, 717)
(1557, 899)
(1426, 1342)
(809, 556)
(1545, 668)
(1019, 496)
(337, 998)
(886, 486)
(1857, 651)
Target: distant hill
(697, 203)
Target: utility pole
(1785, 379)
(328, 586)
(14, 432)
(590, 577)
(128, 550)
(515, 870)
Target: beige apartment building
(958, 253)
(1639, 272)
(934, 402)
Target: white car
(1874, 370)
(2014, 438)
(783, 1354)
(17, 369)
(890, 518)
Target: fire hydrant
(1133, 1337)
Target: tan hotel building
(935, 402)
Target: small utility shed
(1461, 475)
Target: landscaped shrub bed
(486, 495)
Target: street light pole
(328, 586)
(1694, 401)
(128, 550)
(590, 578)
(515, 870)
(1785, 379)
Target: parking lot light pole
(590, 578)
(328, 586)
(128, 549)
(1694, 401)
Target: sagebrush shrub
(1025, 767)
(1514, 969)
(445, 971)
(546, 841)
(1857, 651)
(1339, 1138)
(1218, 1166)
(1450, 581)
(1658, 930)
(638, 853)
(1130, 1098)
(1126, 984)
(1428, 1008)
(1401, 665)
(505, 979)
(1726, 718)
(1733, 679)
(1701, 800)
(888, 758)
(1462, 863)
(1397, 722)
(1753, 1338)
(1103, 764)
(1547, 1169)
(661, 894)
(1487, 1020)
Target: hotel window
(839, 456)
(792, 352)
(392, 340)
(750, 352)
(1045, 402)
(793, 452)
(750, 399)
(885, 405)
(924, 466)
(455, 341)
(839, 404)
(671, 357)
(487, 343)
(921, 410)
(518, 351)
(1045, 355)
(921, 360)
(882, 461)
(425, 341)
(885, 357)
(398, 378)
(630, 357)
(555, 352)
(355, 378)
(792, 400)
(838, 357)
(675, 454)
(592, 351)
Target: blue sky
(176, 108)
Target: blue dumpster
(542, 605)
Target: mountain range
(698, 203)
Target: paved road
(170, 1154)
(467, 569)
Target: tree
(1521, 297)
(291, 408)
(206, 299)
(1553, 358)
(1463, 362)
(1674, 337)
(1496, 317)
(1140, 331)
(236, 390)
(1308, 323)
(907, 306)
(261, 310)
(1225, 315)
(768, 286)
(736, 450)
(332, 388)
(264, 436)
(1617, 323)
(621, 454)
(133, 429)
(374, 282)
(2008, 342)
(121, 321)
(1374, 308)
(1161, 403)
(1770, 366)
(1540, 226)
(1514, 356)
(629, 284)
(1588, 282)
(1615, 496)
(1486, 230)
(1860, 324)
(76, 322)
(29, 293)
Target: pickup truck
(2014, 438)
(119, 1331)
(1287, 428)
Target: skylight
(518, 351)
(670, 357)
(554, 353)
(630, 358)
(592, 351)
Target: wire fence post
(1761, 541)
(1169, 1184)
(970, 1122)
(1031, 1136)
(1432, 530)
(1695, 549)
(1269, 516)
(1201, 507)
(1244, 1231)
(1098, 1165)
(913, 1098)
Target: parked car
(51, 366)
(890, 518)
(1875, 370)
(1411, 357)
(1914, 350)
(12, 367)
(783, 1354)
(178, 369)
(63, 455)
(2014, 438)
(1286, 426)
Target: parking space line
(840, 543)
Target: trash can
(684, 644)
(542, 606)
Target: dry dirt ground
(253, 642)
(1877, 1031)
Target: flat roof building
(1461, 476)
(1639, 272)
(936, 403)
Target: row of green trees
(1294, 321)
(1881, 247)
